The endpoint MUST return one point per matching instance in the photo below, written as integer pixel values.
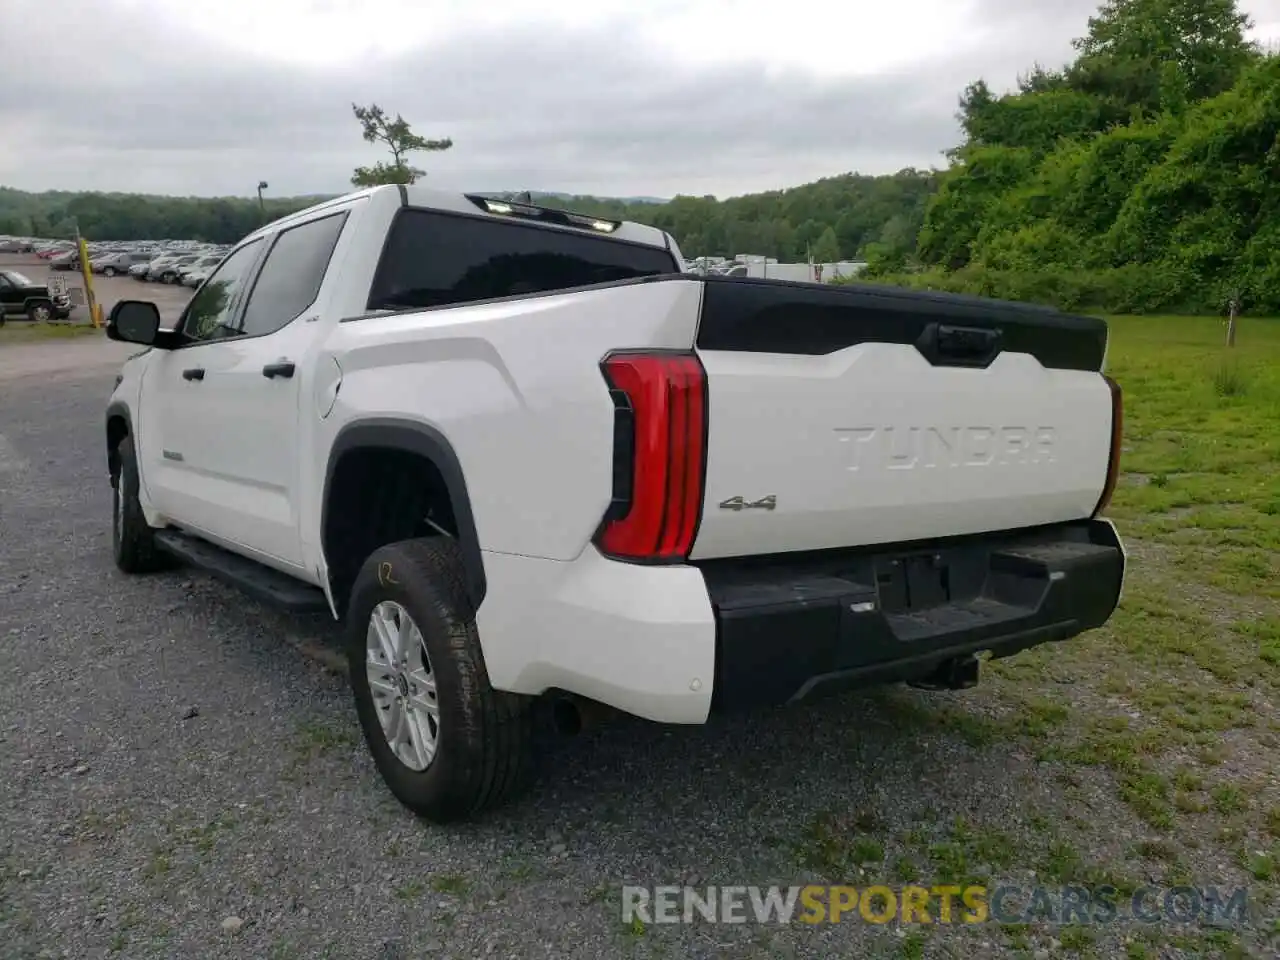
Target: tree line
(1144, 176)
(835, 218)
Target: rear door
(853, 416)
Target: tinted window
(433, 259)
(209, 313)
(290, 278)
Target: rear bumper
(788, 627)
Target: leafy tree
(827, 248)
(1130, 42)
(377, 127)
(1142, 176)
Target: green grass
(24, 332)
(1202, 431)
(1170, 709)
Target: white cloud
(699, 96)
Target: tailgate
(860, 415)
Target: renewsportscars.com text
(941, 903)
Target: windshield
(19, 279)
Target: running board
(260, 582)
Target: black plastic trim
(116, 408)
(257, 580)
(425, 441)
(792, 626)
(756, 315)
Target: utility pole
(95, 312)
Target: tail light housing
(659, 455)
(1117, 438)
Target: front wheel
(132, 539)
(41, 311)
(445, 742)
(109, 271)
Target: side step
(261, 583)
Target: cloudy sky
(612, 97)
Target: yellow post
(95, 312)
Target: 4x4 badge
(738, 503)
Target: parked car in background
(196, 276)
(121, 261)
(169, 269)
(200, 269)
(67, 260)
(21, 296)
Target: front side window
(291, 276)
(436, 259)
(208, 315)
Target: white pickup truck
(526, 458)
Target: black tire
(168, 277)
(108, 271)
(132, 540)
(40, 311)
(483, 756)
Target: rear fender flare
(428, 442)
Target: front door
(238, 388)
(176, 410)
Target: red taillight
(1117, 437)
(659, 451)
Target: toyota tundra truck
(523, 456)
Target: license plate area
(911, 583)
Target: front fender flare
(116, 408)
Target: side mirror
(134, 321)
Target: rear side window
(291, 276)
(436, 259)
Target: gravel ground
(178, 779)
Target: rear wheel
(108, 271)
(447, 744)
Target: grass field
(1160, 733)
(23, 332)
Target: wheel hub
(402, 685)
